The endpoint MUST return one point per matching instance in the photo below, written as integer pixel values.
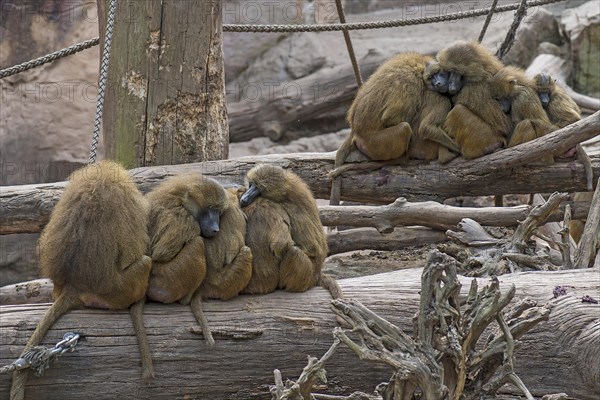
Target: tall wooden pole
(165, 95)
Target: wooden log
(256, 334)
(371, 239)
(26, 208)
(32, 292)
(165, 93)
(320, 99)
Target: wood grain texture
(256, 334)
(165, 96)
(26, 208)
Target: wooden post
(165, 95)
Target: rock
(540, 27)
(47, 112)
(582, 26)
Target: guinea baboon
(518, 97)
(476, 122)
(394, 107)
(562, 111)
(284, 232)
(559, 106)
(228, 259)
(183, 210)
(93, 248)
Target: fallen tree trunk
(256, 334)
(26, 209)
(371, 239)
(321, 107)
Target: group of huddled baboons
(464, 102)
(108, 246)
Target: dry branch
(256, 334)
(590, 240)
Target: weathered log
(279, 107)
(26, 209)
(371, 239)
(256, 334)
(430, 214)
(165, 93)
(32, 292)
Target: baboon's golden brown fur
(183, 209)
(93, 248)
(228, 259)
(394, 114)
(476, 122)
(284, 232)
(512, 86)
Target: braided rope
(49, 58)
(349, 46)
(290, 28)
(509, 40)
(378, 24)
(102, 79)
(488, 19)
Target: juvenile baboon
(183, 210)
(93, 248)
(519, 98)
(228, 259)
(476, 122)
(559, 106)
(394, 107)
(284, 232)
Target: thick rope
(39, 358)
(289, 28)
(378, 24)
(110, 22)
(487, 21)
(349, 46)
(510, 36)
(49, 58)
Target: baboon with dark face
(476, 121)
(518, 98)
(228, 259)
(284, 232)
(183, 210)
(394, 114)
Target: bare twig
(565, 245)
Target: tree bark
(165, 95)
(256, 334)
(321, 99)
(27, 208)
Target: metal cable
(349, 46)
(487, 21)
(49, 58)
(110, 22)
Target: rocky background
(46, 114)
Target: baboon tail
(62, 305)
